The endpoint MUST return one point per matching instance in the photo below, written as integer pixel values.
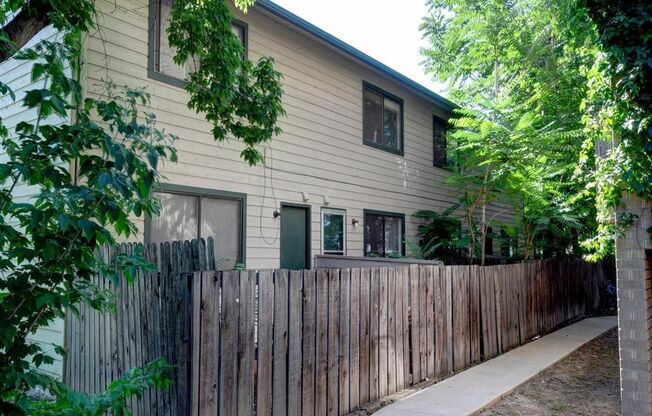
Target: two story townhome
(362, 146)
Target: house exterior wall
(320, 151)
(634, 281)
(18, 75)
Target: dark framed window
(384, 234)
(439, 129)
(241, 29)
(333, 231)
(489, 242)
(160, 64)
(382, 119)
(188, 213)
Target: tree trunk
(469, 223)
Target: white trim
(335, 211)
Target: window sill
(167, 79)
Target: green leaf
(89, 227)
(5, 171)
(104, 180)
(38, 70)
(64, 222)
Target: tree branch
(24, 26)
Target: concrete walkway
(474, 389)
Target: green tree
(521, 135)
(48, 244)
(442, 236)
(618, 110)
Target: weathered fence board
(309, 344)
(229, 358)
(430, 322)
(474, 313)
(402, 329)
(406, 325)
(461, 299)
(414, 319)
(332, 374)
(441, 318)
(374, 330)
(382, 334)
(365, 320)
(209, 343)
(294, 343)
(345, 341)
(391, 331)
(279, 386)
(423, 323)
(323, 342)
(321, 397)
(265, 341)
(354, 351)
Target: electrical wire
(271, 185)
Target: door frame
(308, 231)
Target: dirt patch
(584, 383)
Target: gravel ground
(584, 383)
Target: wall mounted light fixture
(355, 222)
(276, 213)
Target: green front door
(295, 237)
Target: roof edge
(321, 34)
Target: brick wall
(633, 265)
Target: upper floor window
(187, 214)
(161, 54)
(240, 30)
(439, 129)
(382, 119)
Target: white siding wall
(320, 151)
(18, 75)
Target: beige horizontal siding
(320, 151)
(18, 75)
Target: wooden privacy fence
(320, 342)
(153, 319)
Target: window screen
(165, 63)
(439, 129)
(222, 220)
(185, 217)
(177, 220)
(382, 120)
(333, 232)
(239, 31)
(164, 59)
